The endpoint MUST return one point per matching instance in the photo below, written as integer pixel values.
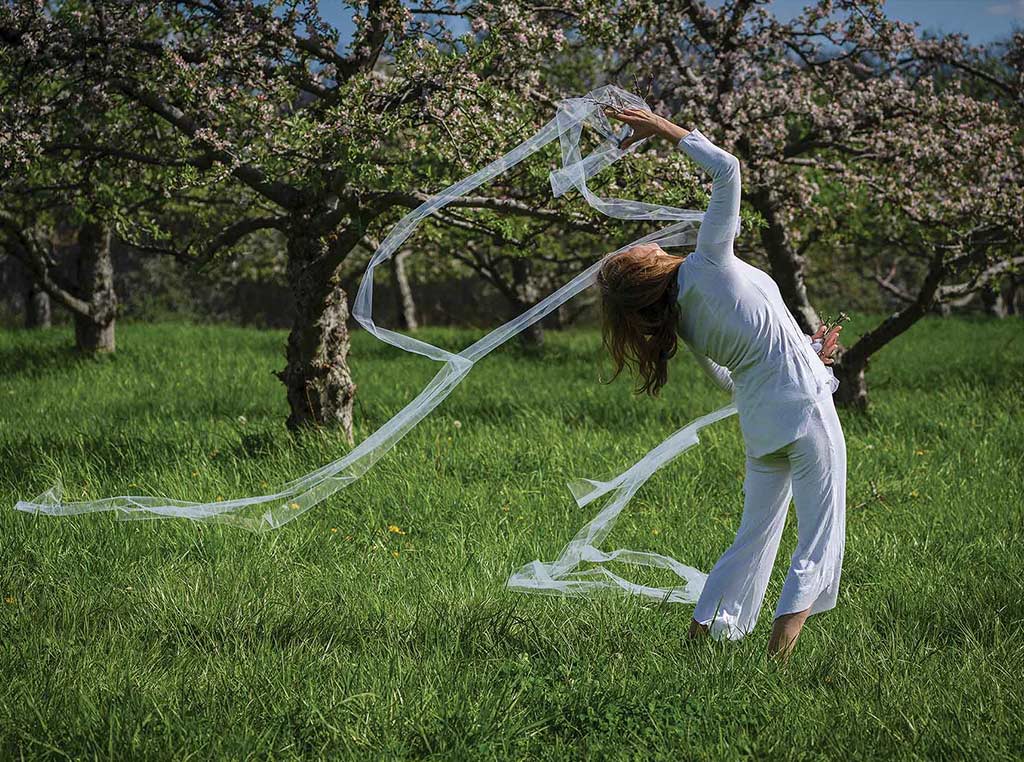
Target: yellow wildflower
(294, 506)
(394, 530)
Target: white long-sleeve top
(734, 321)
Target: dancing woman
(733, 319)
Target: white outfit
(734, 321)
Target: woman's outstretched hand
(828, 343)
(644, 124)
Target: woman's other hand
(828, 343)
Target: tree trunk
(851, 363)
(992, 298)
(403, 292)
(526, 295)
(37, 308)
(556, 319)
(853, 385)
(788, 265)
(94, 332)
(317, 379)
(1015, 295)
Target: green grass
(156, 639)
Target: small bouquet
(831, 323)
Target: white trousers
(811, 471)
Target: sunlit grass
(377, 625)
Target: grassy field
(377, 625)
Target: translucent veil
(562, 576)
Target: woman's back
(734, 314)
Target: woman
(733, 319)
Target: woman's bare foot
(785, 631)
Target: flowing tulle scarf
(564, 575)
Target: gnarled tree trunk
(94, 329)
(319, 386)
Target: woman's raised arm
(721, 220)
(720, 223)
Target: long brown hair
(640, 313)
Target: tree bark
(853, 385)
(94, 330)
(37, 307)
(317, 378)
(526, 295)
(788, 265)
(403, 292)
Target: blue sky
(982, 20)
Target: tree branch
(413, 199)
(30, 254)
(278, 192)
(223, 240)
(979, 281)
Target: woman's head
(639, 313)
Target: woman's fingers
(831, 343)
(617, 113)
(834, 335)
(626, 115)
(638, 119)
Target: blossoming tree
(259, 94)
(863, 108)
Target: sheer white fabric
(290, 500)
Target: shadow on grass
(34, 359)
